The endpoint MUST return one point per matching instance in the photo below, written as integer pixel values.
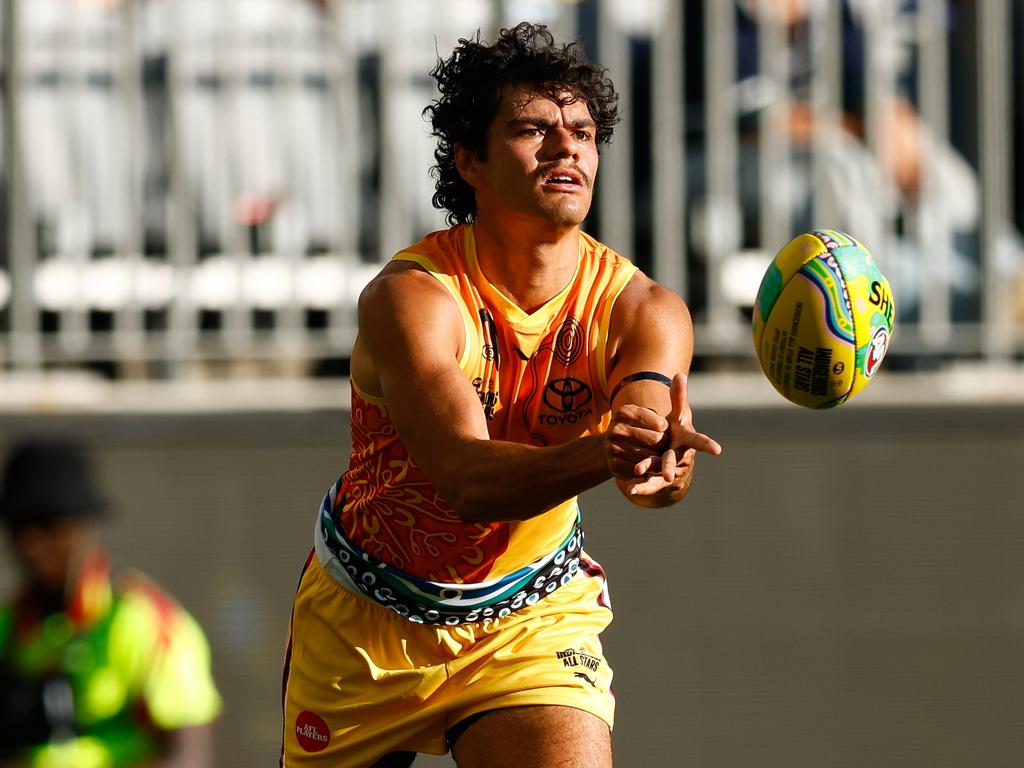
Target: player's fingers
(643, 467)
(700, 442)
(624, 439)
(622, 469)
(668, 465)
(638, 416)
(678, 396)
(650, 486)
(633, 466)
(624, 434)
(627, 451)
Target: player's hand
(669, 474)
(633, 437)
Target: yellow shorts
(361, 681)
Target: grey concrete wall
(840, 590)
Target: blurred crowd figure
(119, 92)
(96, 670)
(877, 193)
(292, 127)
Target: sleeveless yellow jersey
(541, 380)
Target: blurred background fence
(198, 189)
(215, 180)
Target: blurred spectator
(94, 672)
(877, 193)
(892, 188)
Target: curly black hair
(470, 83)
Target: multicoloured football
(823, 319)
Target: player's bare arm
(411, 333)
(652, 334)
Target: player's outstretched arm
(652, 338)
(411, 337)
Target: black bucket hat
(48, 480)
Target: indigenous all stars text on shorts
(572, 658)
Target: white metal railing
(218, 178)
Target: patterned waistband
(433, 602)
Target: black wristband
(640, 376)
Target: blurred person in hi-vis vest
(95, 671)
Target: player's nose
(562, 142)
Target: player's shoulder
(415, 269)
(642, 294)
(440, 240)
(401, 284)
(440, 252)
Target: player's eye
(584, 136)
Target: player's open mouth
(563, 180)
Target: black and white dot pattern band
(430, 602)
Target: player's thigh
(537, 736)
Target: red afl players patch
(312, 732)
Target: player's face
(541, 160)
